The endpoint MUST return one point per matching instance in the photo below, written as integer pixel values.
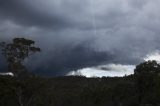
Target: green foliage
(146, 81)
(76, 91)
(16, 52)
(148, 67)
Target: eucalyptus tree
(16, 52)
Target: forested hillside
(78, 91)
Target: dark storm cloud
(80, 33)
(20, 13)
(72, 59)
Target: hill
(77, 91)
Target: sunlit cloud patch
(110, 70)
(153, 56)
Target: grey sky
(126, 31)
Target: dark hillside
(74, 91)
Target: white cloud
(9, 73)
(153, 56)
(110, 70)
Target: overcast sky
(75, 34)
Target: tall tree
(16, 52)
(148, 67)
(146, 75)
